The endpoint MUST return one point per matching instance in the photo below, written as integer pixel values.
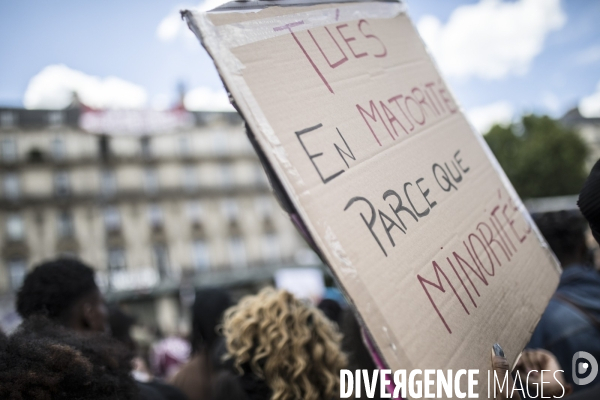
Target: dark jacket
(231, 386)
(567, 326)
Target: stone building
(157, 202)
(588, 129)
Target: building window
(10, 186)
(14, 227)
(116, 259)
(151, 181)
(112, 219)
(146, 147)
(58, 149)
(271, 248)
(161, 259)
(65, 228)
(237, 252)
(190, 183)
(220, 145)
(104, 147)
(185, 146)
(230, 210)
(55, 118)
(7, 119)
(8, 148)
(17, 268)
(155, 215)
(201, 255)
(264, 207)
(227, 178)
(108, 183)
(67, 254)
(62, 186)
(194, 211)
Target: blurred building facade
(588, 129)
(158, 202)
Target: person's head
(209, 306)
(589, 201)
(64, 290)
(289, 344)
(43, 360)
(565, 233)
(120, 325)
(331, 309)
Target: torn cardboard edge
(261, 4)
(243, 33)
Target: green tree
(540, 156)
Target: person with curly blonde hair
(282, 349)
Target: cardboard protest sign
(403, 199)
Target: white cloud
(53, 88)
(589, 106)
(484, 117)
(172, 27)
(206, 99)
(491, 39)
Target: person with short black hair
(65, 291)
(332, 310)
(62, 351)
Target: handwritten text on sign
(494, 239)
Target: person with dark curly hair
(44, 360)
(65, 291)
(62, 351)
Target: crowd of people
(270, 345)
(72, 346)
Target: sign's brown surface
(404, 200)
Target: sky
(501, 58)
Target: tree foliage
(540, 156)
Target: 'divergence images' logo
(437, 384)
(584, 372)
